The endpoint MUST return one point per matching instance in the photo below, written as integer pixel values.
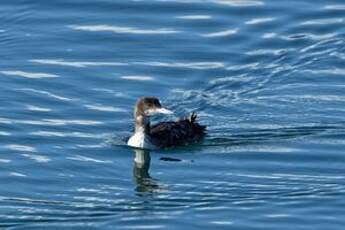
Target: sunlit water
(266, 76)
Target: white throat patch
(140, 140)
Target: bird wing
(173, 133)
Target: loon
(164, 134)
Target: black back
(175, 133)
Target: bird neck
(142, 124)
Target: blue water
(267, 77)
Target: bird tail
(192, 117)
(198, 130)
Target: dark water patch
(170, 159)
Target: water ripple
(105, 108)
(5, 161)
(335, 7)
(28, 74)
(4, 133)
(323, 21)
(256, 21)
(123, 30)
(220, 33)
(239, 3)
(79, 64)
(51, 122)
(18, 174)
(46, 93)
(194, 17)
(138, 78)
(192, 65)
(88, 159)
(38, 108)
(23, 148)
(66, 134)
(37, 158)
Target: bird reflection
(142, 178)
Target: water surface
(266, 77)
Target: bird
(166, 134)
